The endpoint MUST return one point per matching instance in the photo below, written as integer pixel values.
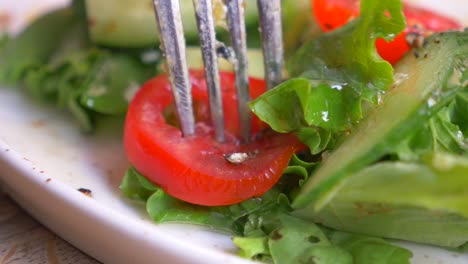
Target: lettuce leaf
(370, 250)
(335, 73)
(424, 202)
(163, 208)
(33, 47)
(54, 60)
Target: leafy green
(115, 78)
(263, 227)
(370, 250)
(89, 81)
(253, 247)
(26, 51)
(423, 89)
(163, 208)
(295, 241)
(440, 133)
(55, 61)
(459, 115)
(424, 202)
(337, 71)
(135, 186)
(283, 238)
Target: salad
(364, 151)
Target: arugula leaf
(296, 241)
(287, 239)
(337, 71)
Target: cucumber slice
(131, 23)
(254, 56)
(125, 23)
(424, 79)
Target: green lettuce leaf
(163, 208)
(337, 70)
(33, 47)
(370, 250)
(55, 61)
(425, 202)
(135, 186)
(111, 84)
(89, 81)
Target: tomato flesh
(331, 14)
(194, 168)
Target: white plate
(44, 160)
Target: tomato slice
(195, 168)
(332, 14)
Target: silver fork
(173, 44)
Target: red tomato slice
(194, 168)
(331, 14)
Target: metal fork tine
(272, 42)
(173, 45)
(236, 25)
(206, 31)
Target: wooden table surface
(25, 240)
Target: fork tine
(206, 31)
(173, 45)
(236, 25)
(272, 42)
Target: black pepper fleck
(85, 191)
(223, 52)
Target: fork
(170, 27)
